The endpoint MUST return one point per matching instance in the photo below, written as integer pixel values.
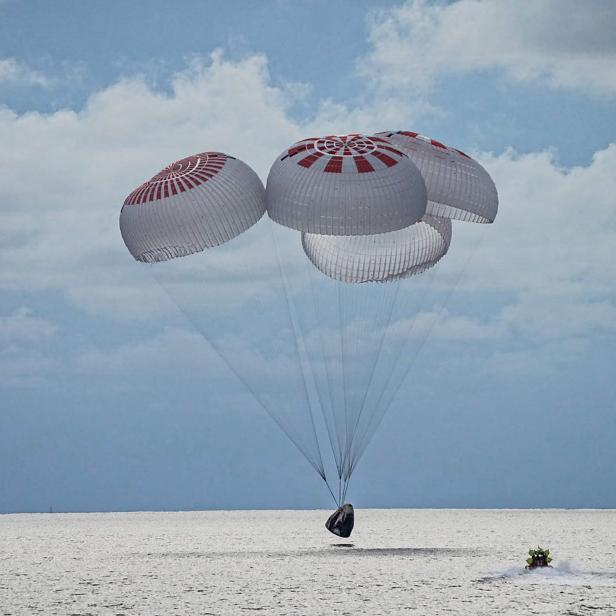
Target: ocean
(398, 561)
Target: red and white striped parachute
(195, 203)
(458, 187)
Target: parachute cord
(385, 327)
(346, 487)
(442, 309)
(398, 354)
(353, 301)
(342, 366)
(296, 337)
(328, 418)
(343, 326)
(318, 468)
(331, 492)
(403, 345)
(381, 311)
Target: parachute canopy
(345, 185)
(195, 203)
(458, 186)
(380, 257)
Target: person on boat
(538, 558)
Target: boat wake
(563, 573)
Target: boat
(538, 557)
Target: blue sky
(109, 398)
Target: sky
(109, 397)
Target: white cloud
(14, 72)
(24, 369)
(440, 324)
(556, 228)
(561, 43)
(554, 316)
(544, 269)
(63, 177)
(551, 248)
(21, 363)
(553, 358)
(337, 118)
(23, 326)
(173, 348)
(177, 349)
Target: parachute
(314, 308)
(349, 185)
(381, 257)
(458, 187)
(196, 203)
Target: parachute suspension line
(369, 429)
(351, 296)
(440, 312)
(346, 487)
(366, 432)
(345, 326)
(343, 370)
(242, 380)
(452, 289)
(328, 418)
(381, 299)
(355, 304)
(332, 493)
(296, 338)
(384, 327)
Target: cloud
(553, 358)
(440, 324)
(537, 286)
(64, 175)
(24, 369)
(551, 246)
(556, 227)
(22, 364)
(553, 42)
(18, 73)
(172, 349)
(22, 326)
(394, 110)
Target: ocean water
(427, 562)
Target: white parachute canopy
(345, 185)
(195, 203)
(458, 187)
(381, 257)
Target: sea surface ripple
(398, 561)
